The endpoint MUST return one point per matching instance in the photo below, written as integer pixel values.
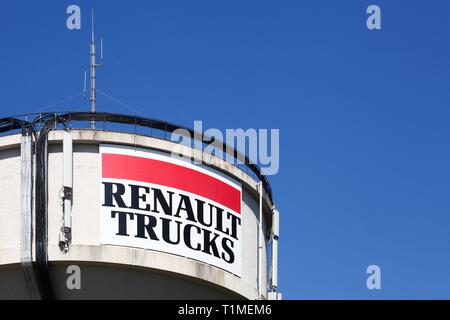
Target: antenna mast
(93, 68)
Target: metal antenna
(101, 51)
(93, 69)
(84, 86)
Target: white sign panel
(153, 201)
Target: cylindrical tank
(128, 220)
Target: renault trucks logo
(152, 201)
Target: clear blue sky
(364, 115)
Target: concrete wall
(10, 215)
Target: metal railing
(125, 124)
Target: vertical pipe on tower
(26, 235)
(260, 242)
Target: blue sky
(364, 115)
